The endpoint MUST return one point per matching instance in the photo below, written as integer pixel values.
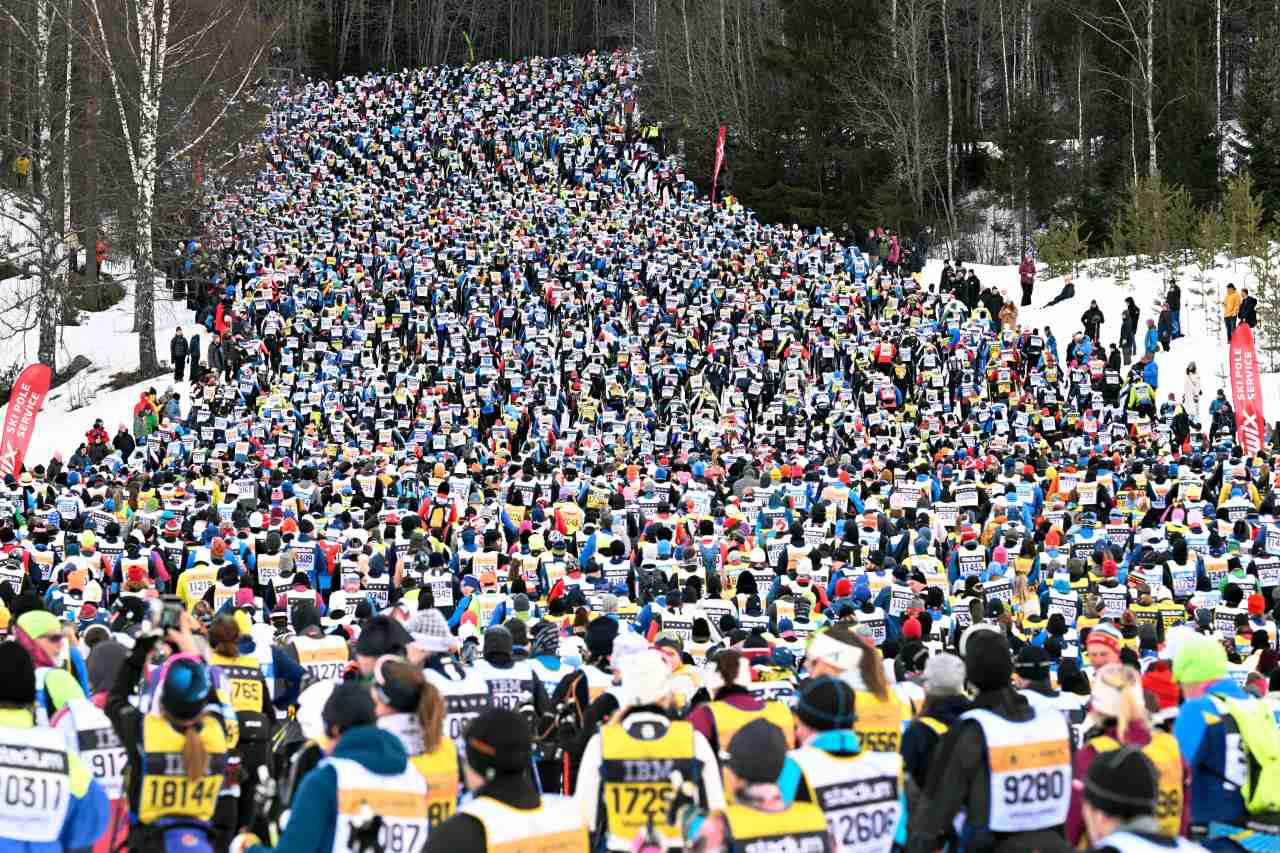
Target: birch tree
(40, 219)
(140, 61)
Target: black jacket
(178, 348)
(920, 739)
(463, 832)
(1249, 311)
(963, 784)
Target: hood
(376, 750)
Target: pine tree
(1260, 119)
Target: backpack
(1261, 741)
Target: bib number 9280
(1034, 787)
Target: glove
(243, 842)
(142, 648)
(264, 796)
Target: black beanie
(600, 636)
(826, 703)
(987, 660)
(18, 687)
(498, 743)
(349, 705)
(1122, 783)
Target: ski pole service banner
(1246, 391)
(715, 173)
(24, 404)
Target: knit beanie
(826, 703)
(1122, 783)
(987, 660)
(18, 687)
(1159, 682)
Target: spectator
(124, 443)
(1092, 320)
(194, 352)
(1174, 298)
(1129, 329)
(1027, 277)
(1068, 292)
(1248, 309)
(1165, 326)
(1151, 341)
(178, 352)
(1231, 309)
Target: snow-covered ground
(1205, 336)
(105, 338)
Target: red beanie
(911, 629)
(844, 588)
(1159, 683)
(1109, 568)
(1257, 604)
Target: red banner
(1246, 391)
(715, 173)
(25, 401)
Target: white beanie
(645, 678)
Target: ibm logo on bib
(647, 770)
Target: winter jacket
(922, 736)
(88, 810)
(1151, 375)
(1138, 735)
(178, 348)
(124, 443)
(1249, 311)
(1027, 270)
(965, 787)
(1202, 736)
(1231, 304)
(314, 816)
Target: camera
(165, 613)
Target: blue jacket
(838, 742)
(87, 815)
(1151, 374)
(314, 817)
(1202, 738)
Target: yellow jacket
(1231, 303)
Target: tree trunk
(1217, 88)
(977, 66)
(946, 61)
(1004, 59)
(1080, 157)
(688, 46)
(42, 197)
(1153, 165)
(90, 215)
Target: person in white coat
(1191, 392)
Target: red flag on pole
(25, 401)
(715, 173)
(1246, 391)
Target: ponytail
(871, 670)
(1118, 695)
(195, 757)
(430, 715)
(727, 664)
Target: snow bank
(1205, 336)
